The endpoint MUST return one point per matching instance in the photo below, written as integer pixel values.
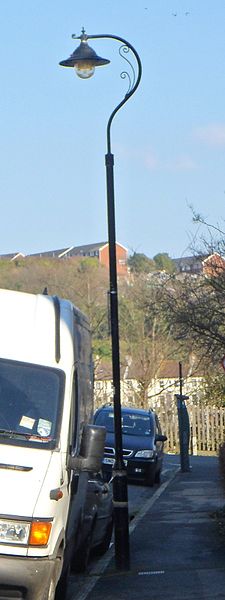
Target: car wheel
(104, 545)
(106, 476)
(150, 479)
(158, 476)
(81, 557)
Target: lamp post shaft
(120, 496)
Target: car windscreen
(132, 423)
(30, 404)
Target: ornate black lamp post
(84, 60)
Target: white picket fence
(207, 427)
(207, 424)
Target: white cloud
(181, 163)
(212, 134)
(177, 163)
(152, 162)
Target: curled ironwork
(125, 74)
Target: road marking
(151, 573)
(149, 503)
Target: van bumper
(26, 577)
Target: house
(12, 256)
(209, 265)
(189, 264)
(98, 250)
(164, 385)
(167, 381)
(214, 265)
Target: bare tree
(146, 335)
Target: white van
(45, 403)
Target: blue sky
(168, 140)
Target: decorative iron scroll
(125, 74)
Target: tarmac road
(177, 545)
(138, 493)
(138, 496)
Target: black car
(142, 443)
(97, 525)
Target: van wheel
(62, 586)
(50, 593)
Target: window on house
(129, 383)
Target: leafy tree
(140, 263)
(164, 263)
(213, 387)
(147, 317)
(82, 281)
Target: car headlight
(144, 454)
(21, 532)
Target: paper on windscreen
(27, 422)
(44, 427)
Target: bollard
(184, 426)
(184, 432)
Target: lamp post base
(121, 520)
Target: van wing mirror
(160, 438)
(91, 450)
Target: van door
(78, 481)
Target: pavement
(177, 544)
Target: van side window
(74, 415)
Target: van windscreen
(30, 403)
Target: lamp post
(84, 60)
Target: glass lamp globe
(84, 70)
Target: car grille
(127, 453)
(111, 452)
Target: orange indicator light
(39, 533)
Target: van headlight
(35, 533)
(14, 532)
(144, 454)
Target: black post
(82, 56)
(120, 496)
(120, 493)
(184, 426)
